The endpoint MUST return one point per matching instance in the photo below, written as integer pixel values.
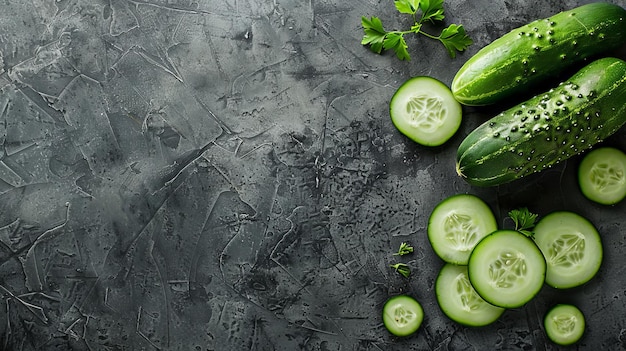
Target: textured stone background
(223, 175)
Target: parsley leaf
(404, 249)
(432, 10)
(402, 268)
(524, 220)
(374, 33)
(453, 37)
(407, 6)
(396, 42)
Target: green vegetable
(507, 269)
(453, 37)
(602, 175)
(402, 268)
(402, 315)
(548, 128)
(526, 56)
(564, 324)
(460, 302)
(572, 248)
(524, 220)
(424, 110)
(404, 249)
(457, 224)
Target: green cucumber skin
(547, 128)
(527, 55)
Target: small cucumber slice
(602, 175)
(460, 302)
(457, 224)
(402, 315)
(507, 269)
(572, 248)
(424, 110)
(564, 324)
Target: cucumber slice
(507, 269)
(459, 301)
(564, 324)
(424, 110)
(572, 248)
(457, 224)
(602, 175)
(402, 315)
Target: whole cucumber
(543, 48)
(547, 128)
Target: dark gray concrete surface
(224, 175)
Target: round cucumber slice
(572, 248)
(457, 224)
(424, 110)
(402, 315)
(564, 324)
(460, 302)
(602, 175)
(507, 269)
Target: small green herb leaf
(524, 220)
(395, 41)
(407, 6)
(402, 268)
(455, 39)
(432, 10)
(374, 33)
(404, 249)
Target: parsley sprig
(402, 268)
(452, 37)
(524, 220)
(404, 249)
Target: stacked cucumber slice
(489, 269)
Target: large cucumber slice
(602, 175)
(457, 224)
(424, 110)
(507, 269)
(572, 248)
(460, 302)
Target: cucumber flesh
(402, 315)
(460, 302)
(564, 324)
(602, 175)
(507, 269)
(571, 246)
(457, 224)
(424, 110)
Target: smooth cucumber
(527, 55)
(547, 128)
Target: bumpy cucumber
(547, 128)
(527, 55)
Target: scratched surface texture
(223, 175)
